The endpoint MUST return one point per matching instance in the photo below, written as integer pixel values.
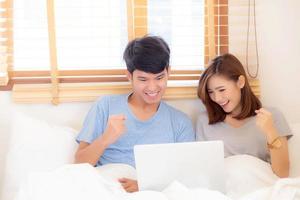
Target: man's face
(148, 87)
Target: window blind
(182, 24)
(6, 49)
(216, 28)
(84, 77)
(90, 34)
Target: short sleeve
(95, 122)
(281, 124)
(186, 132)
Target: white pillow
(294, 149)
(35, 145)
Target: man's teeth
(152, 94)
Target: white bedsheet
(248, 178)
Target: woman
(236, 116)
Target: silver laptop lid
(194, 164)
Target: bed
(38, 166)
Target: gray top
(247, 139)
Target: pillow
(294, 149)
(35, 145)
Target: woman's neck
(233, 122)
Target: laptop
(194, 164)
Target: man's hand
(114, 129)
(129, 185)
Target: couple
(234, 114)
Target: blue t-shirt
(167, 125)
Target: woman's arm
(278, 146)
(280, 158)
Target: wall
(4, 130)
(278, 33)
(279, 44)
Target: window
(72, 50)
(89, 34)
(182, 24)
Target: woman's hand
(129, 185)
(264, 121)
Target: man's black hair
(149, 54)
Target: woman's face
(226, 93)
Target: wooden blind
(6, 42)
(59, 85)
(52, 51)
(216, 28)
(181, 23)
(137, 18)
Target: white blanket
(248, 178)
(77, 182)
(283, 189)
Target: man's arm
(90, 153)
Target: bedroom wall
(278, 33)
(279, 44)
(4, 130)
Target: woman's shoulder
(271, 109)
(280, 121)
(274, 111)
(202, 118)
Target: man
(116, 123)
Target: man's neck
(141, 109)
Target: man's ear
(241, 81)
(128, 75)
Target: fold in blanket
(283, 189)
(82, 181)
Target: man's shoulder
(108, 99)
